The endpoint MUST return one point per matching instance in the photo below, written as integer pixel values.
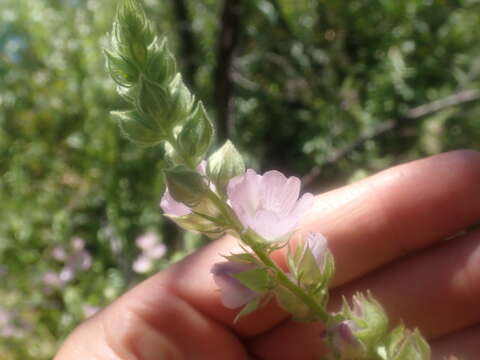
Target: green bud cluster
(163, 109)
(369, 336)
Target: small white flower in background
(152, 249)
(269, 204)
(233, 293)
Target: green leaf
(223, 165)
(196, 135)
(185, 185)
(257, 279)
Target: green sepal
(120, 69)
(305, 266)
(223, 165)
(132, 32)
(246, 258)
(248, 308)
(196, 134)
(404, 344)
(372, 322)
(155, 104)
(185, 185)
(133, 127)
(198, 224)
(181, 100)
(161, 67)
(293, 305)
(257, 279)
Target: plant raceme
(215, 194)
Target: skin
(400, 233)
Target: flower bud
(233, 292)
(407, 345)
(368, 321)
(223, 165)
(185, 185)
(344, 343)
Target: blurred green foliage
(332, 86)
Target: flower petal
(233, 293)
(172, 207)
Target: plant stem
(285, 280)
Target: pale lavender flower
(172, 207)
(77, 244)
(11, 325)
(52, 279)
(233, 293)
(74, 260)
(89, 310)
(317, 244)
(269, 203)
(147, 241)
(152, 249)
(143, 264)
(59, 253)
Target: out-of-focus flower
(12, 326)
(269, 203)
(232, 292)
(89, 310)
(152, 249)
(52, 279)
(75, 259)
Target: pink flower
(172, 207)
(232, 292)
(268, 204)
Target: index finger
(368, 224)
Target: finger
(465, 345)
(436, 291)
(134, 327)
(398, 211)
(368, 224)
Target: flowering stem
(284, 279)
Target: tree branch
(458, 98)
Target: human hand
(387, 234)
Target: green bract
(145, 73)
(185, 185)
(223, 165)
